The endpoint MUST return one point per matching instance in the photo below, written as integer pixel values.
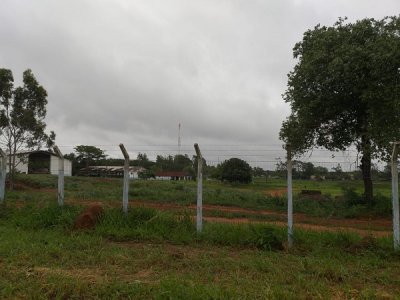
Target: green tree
(302, 170)
(174, 163)
(143, 161)
(320, 171)
(164, 163)
(236, 170)
(182, 162)
(22, 114)
(87, 155)
(260, 172)
(337, 173)
(281, 169)
(345, 90)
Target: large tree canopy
(88, 154)
(236, 170)
(345, 90)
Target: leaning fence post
(3, 173)
(289, 195)
(395, 196)
(199, 206)
(126, 179)
(60, 176)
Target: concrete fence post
(3, 174)
(126, 179)
(199, 205)
(395, 195)
(60, 197)
(289, 195)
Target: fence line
(211, 154)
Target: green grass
(340, 199)
(149, 254)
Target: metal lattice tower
(179, 138)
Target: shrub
(268, 239)
(236, 170)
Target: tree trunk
(11, 163)
(366, 171)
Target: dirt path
(299, 217)
(376, 227)
(312, 227)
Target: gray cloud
(130, 71)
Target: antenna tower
(179, 138)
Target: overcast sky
(130, 71)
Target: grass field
(154, 253)
(340, 198)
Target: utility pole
(179, 138)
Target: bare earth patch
(362, 226)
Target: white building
(39, 162)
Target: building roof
(36, 151)
(114, 168)
(47, 152)
(171, 174)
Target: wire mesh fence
(259, 156)
(327, 184)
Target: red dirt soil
(89, 217)
(363, 226)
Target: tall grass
(141, 224)
(345, 201)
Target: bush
(236, 170)
(268, 239)
(351, 197)
(382, 205)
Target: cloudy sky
(130, 71)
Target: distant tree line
(307, 170)
(231, 170)
(85, 156)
